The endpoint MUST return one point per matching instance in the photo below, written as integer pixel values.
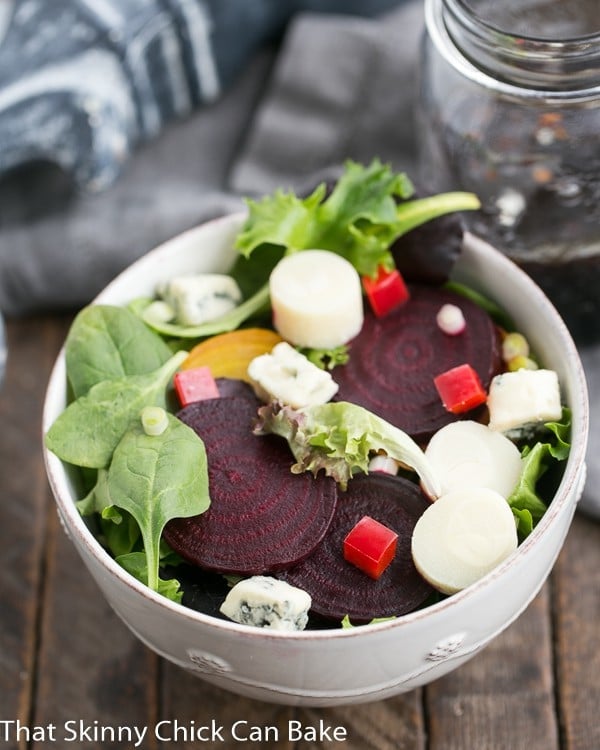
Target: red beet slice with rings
(394, 360)
(262, 517)
(337, 587)
(228, 387)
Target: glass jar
(510, 109)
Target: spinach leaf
(97, 499)
(136, 564)
(119, 531)
(156, 478)
(107, 342)
(254, 305)
(120, 537)
(89, 429)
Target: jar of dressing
(510, 110)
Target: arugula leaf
(88, 430)
(526, 503)
(107, 342)
(340, 437)
(494, 310)
(156, 478)
(364, 213)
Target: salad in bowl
(328, 417)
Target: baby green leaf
(157, 478)
(525, 500)
(340, 437)
(228, 322)
(88, 430)
(97, 498)
(367, 209)
(136, 564)
(120, 537)
(107, 342)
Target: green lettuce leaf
(346, 623)
(365, 212)
(526, 501)
(340, 438)
(327, 359)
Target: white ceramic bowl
(371, 662)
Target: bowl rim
(567, 493)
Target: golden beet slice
(229, 354)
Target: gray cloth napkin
(337, 87)
(344, 88)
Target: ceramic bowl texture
(371, 662)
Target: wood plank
(577, 623)
(385, 725)
(33, 344)
(185, 698)
(91, 668)
(503, 697)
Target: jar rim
(565, 41)
(513, 65)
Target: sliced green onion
(154, 420)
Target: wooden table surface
(65, 657)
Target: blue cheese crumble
(265, 602)
(522, 399)
(198, 298)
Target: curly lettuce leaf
(327, 359)
(526, 502)
(340, 438)
(367, 209)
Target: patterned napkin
(64, 233)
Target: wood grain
(32, 345)
(393, 724)
(577, 624)
(90, 668)
(185, 698)
(504, 697)
(65, 656)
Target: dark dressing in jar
(510, 109)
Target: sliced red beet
(234, 387)
(337, 587)
(394, 360)
(262, 517)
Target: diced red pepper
(386, 292)
(195, 384)
(370, 546)
(460, 389)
